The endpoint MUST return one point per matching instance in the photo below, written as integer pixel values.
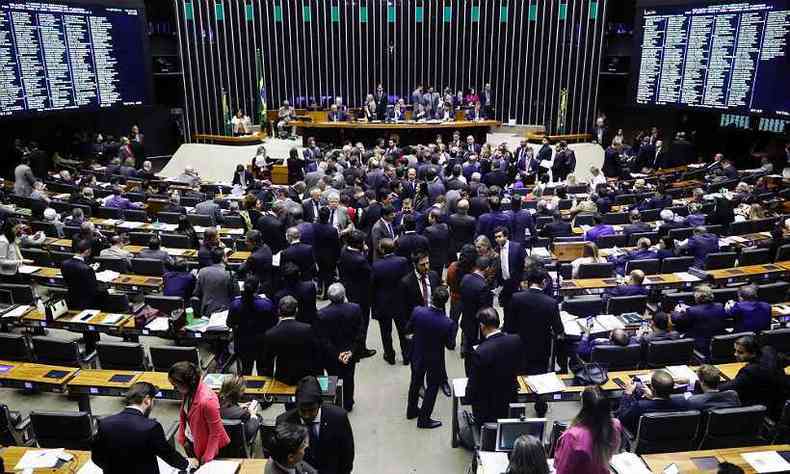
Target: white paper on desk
(572, 328)
(110, 221)
(158, 324)
(218, 321)
(685, 276)
(199, 229)
(545, 383)
(85, 315)
(214, 380)
(165, 468)
(107, 276)
(112, 318)
(90, 468)
(176, 252)
(610, 322)
(28, 269)
(766, 461)
(235, 231)
(168, 227)
(38, 459)
(459, 386)
(541, 252)
(492, 462)
(276, 259)
(783, 309)
(131, 225)
(628, 463)
(683, 372)
(18, 311)
(219, 467)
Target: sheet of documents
(90, 468)
(683, 372)
(610, 322)
(112, 318)
(545, 383)
(218, 321)
(628, 463)
(492, 462)
(766, 461)
(276, 259)
(38, 459)
(219, 467)
(107, 276)
(85, 315)
(131, 225)
(685, 276)
(459, 386)
(158, 324)
(28, 269)
(18, 311)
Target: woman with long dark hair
(185, 228)
(250, 315)
(528, 457)
(455, 273)
(592, 439)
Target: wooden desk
(146, 283)
(568, 251)
(599, 283)
(683, 460)
(410, 133)
(749, 270)
(95, 324)
(173, 252)
(243, 140)
(239, 256)
(731, 370)
(28, 375)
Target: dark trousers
(560, 174)
(365, 324)
(455, 310)
(418, 375)
(345, 372)
(469, 339)
(385, 324)
(248, 360)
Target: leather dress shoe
(367, 353)
(390, 358)
(429, 424)
(446, 389)
(406, 360)
(411, 415)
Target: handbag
(589, 373)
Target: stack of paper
(217, 322)
(681, 373)
(17, 312)
(214, 380)
(41, 459)
(90, 468)
(628, 463)
(492, 462)
(130, 225)
(110, 221)
(766, 461)
(610, 322)
(545, 383)
(176, 252)
(84, 316)
(28, 269)
(685, 276)
(540, 252)
(112, 318)
(158, 324)
(219, 467)
(107, 276)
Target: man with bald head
(639, 399)
(462, 228)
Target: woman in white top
(10, 255)
(589, 255)
(597, 178)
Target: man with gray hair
(299, 253)
(750, 315)
(339, 330)
(700, 244)
(702, 321)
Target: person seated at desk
(700, 244)
(336, 115)
(659, 201)
(659, 330)
(116, 249)
(211, 207)
(444, 112)
(589, 255)
(710, 397)
(179, 281)
(631, 287)
(119, 202)
(617, 338)
(419, 114)
(749, 314)
(639, 399)
(189, 176)
(636, 225)
(703, 320)
(288, 443)
(642, 252)
(556, 228)
(155, 252)
(285, 114)
(668, 222)
(397, 114)
(528, 456)
(475, 114)
(665, 247)
(230, 408)
(242, 177)
(127, 169)
(241, 123)
(696, 217)
(174, 204)
(599, 229)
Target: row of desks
(192, 254)
(684, 461)
(53, 276)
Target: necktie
(389, 229)
(314, 433)
(332, 217)
(425, 289)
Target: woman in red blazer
(200, 428)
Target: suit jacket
(377, 232)
(632, 408)
(751, 316)
(385, 275)
(433, 332)
(339, 116)
(438, 236)
(250, 324)
(204, 422)
(259, 263)
(310, 210)
(129, 443)
(248, 178)
(300, 468)
(327, 245)
(537, 324)
(216, 286)
(490, 221)
(333, 452)
(411, 291)
(475, 294)
(290, 351)
(355, 274)
(701, 322)
(521, 222)
(209, 208)
(302, 255)
(515, 259)
(81, 281)
(555, 229)
(23, 180)
(761, 382)
(492, 377)
(273, 233)
(339, 329)
(462, 231)
(409, 243)
(305, 293)
(709, 400)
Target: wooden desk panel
(97, 378)
(159, 379)
(749, 270)
(35, 317)
(12, 454)
(683, 460)
(239, 255)
(33, 374)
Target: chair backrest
(739, 227)
(783, 253)
(119, 265)
(40, 257)
(754, 257)
(614, 240)
(627, 304)
(488, 437)
(653, 236)
(733, 427)
(650, 215)
(542, 220)
(57, 429)
(651, 266)
(676, 264)
(615, 218)
(135, 215)
(763, 225)
(672, 299)
(723, 295)
(6, 428)
(583, 306)
(625, 199)
(14, 347)
(148, 266)
(721, 347)
(168, 217)
(109, 213)
(238, 445)
(667, 432)
(21, 294)
(770, 292)
(778, 338)
(201, 220)
(564, 204)
(176, 241)
(59, 257)
(187, 201)
(115, 303)
(618, 357)
(163, 357)
(49, 229)
(569, 239)
(596, 270)
(718, 260)
(234, 222)
(121, 355)
(139, 238)
(669, 352)
(584, 219)
(166, 304)
(50, 350)
(681, 233)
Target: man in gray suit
(216, 286)
(210, 207)
(23, 178)
(338, 215)
(382, 229)
(155, 252)
(710, 398)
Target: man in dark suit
(382, 229)
(475, 295)
(303, 291)
(471, 148)
(522, 223)
(417, 286)
(331, 448)
(242, 177)
(381, 102)
(636, 226)
(703, 320)
(711, 397)
(311, 206)
(462, 227)
(433, 331)
(544, 154)
(638, 399)
(556, 228)
(496, 177)
(271, 229)
(80, 279)
(289, 348)
(493, 219)
(130, 441)
(438, 235)
(259, 263)
(355, 272)
(336, 115)
(339, 328)
(700, 244)
(511, 268)
(410, 241)
(299, 253)
(386, 273)
(495, 363)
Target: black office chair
(69, 231)
(676, 264)
(583, 219)
(239, 447)
(770, 292)
(650, 266)
(618, 357)
(667, 432)
(634, 238)
(596, 270)
(49, 229)
(781, 430)
(583, 306)
(488, 437)
(763, 225)
(723, 295)
(615, 218)
(564, 204)
(109, 213)
(717, 229)
(719, 260)
(201, 220)
(754, 257)
(115, 303)
(40, 257)
(627, 304)
(21, 294)
(14, 430)
(135, 215)
(175, 241)
(121, 356)
(783, 253)
(233, 222)
(625, 199)
(53, 351)
(168, 217)
(59, 257)
(670, 300)
(739, 228)
(119, 265)
(191, 201)
(163, 357)
(542, 220)
(58, 429)
(733, 427)
(660, 354)
(721, 351)
(140, 238)
(681, 233)
(778, 338)
(14, 347)
(148, 267)
(566, 271)
(650, 215)
(166, 304)
(568, 239)
(614, 240)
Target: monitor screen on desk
(508, 430)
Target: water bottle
(190, 314)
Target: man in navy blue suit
(80, 279)
(700, 244)
(638, 399)
(511, 267)
(475, 295)
(385, 275)
(521, 221)
(410, 241)
(493, 219)
(701, 321)
(750, 315)
(354, 270)
(299, 253)
(433, 331)
(632, 287)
